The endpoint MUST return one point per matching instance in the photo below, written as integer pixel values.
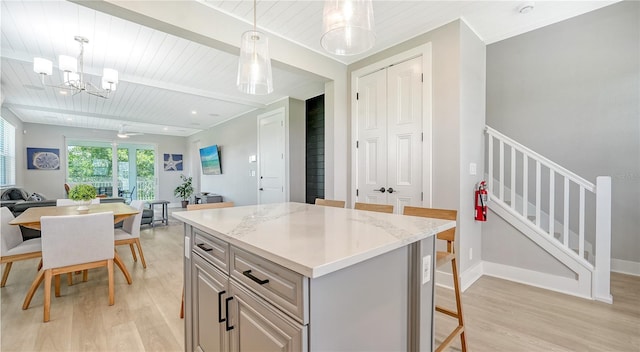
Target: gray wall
(237, 139)
(458, 74)
(50, 182)
(571, 91)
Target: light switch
(253, 173)
(472, 169)
(252, 158)
(426, 269)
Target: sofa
(17, 207)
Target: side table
(165, 212)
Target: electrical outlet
(426, 269)
(473, 169)
(470, 253)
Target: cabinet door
(209, 289)
(258, 326)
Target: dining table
(30, 218)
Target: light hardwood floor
(500, 315)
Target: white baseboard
(625, 267)
(471, 275)
(534, 278)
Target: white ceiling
(164, 78)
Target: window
(7, 153)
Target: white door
(271, 157)
(389, 135)
(404, 134)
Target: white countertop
(310, 239)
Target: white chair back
(132, 223)
(10, 236)
(64, 202)
(76, 239)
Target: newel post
(602, 279)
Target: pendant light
(254, 66)
(347, 26)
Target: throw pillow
(36, 197)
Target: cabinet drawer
(280, 286)
(212, 249)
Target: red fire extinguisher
(481, 202)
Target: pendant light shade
(254, 66)
(347, 26)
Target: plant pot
(184, 203)
(84, 205)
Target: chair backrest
(10, 236)
(64, 202)
(445, 214)
(330, 203)
(380, 208)
(209, 206)
(76, 239)
(132, 223)
(67, 188)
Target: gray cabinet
(209, 285)
(225, 315)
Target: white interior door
(404, 134)
(372, 139)
(271, 157)
(389, 134)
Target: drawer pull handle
(220, 319)
(248, 274)
(226, 308)
(204, 247)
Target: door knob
(380, 190)
(262, 189)
(390, 190)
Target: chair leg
(40, 264)
(47, 294)
(69, 279)
(57, 284)
(32, 290)
(182, 304)
(456, 287)
(133, 252)
(125, 272)
(5, 275)
(111, 282)
(144, 263)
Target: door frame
(285, 148)
(423, 51)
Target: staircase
(566, 215)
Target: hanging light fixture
(254, 66)
(347, 26)
(73, 73)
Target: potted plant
(185, 190)
(82, 194)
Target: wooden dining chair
(73, 243)
(443, 258)
(209, 205)
(12, 247)
(380, 208)
(130, 232)
(330, 203)
(198, 207)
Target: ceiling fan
(123, 134)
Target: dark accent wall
(315, 148)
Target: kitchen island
(300, 277)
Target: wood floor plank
(499, 315)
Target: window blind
(7, 153)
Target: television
(210, 159)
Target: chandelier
(254, 65)
(73, 73)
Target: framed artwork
(173, 162)
(43, 159)
(210, 160)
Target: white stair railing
(511, 186)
